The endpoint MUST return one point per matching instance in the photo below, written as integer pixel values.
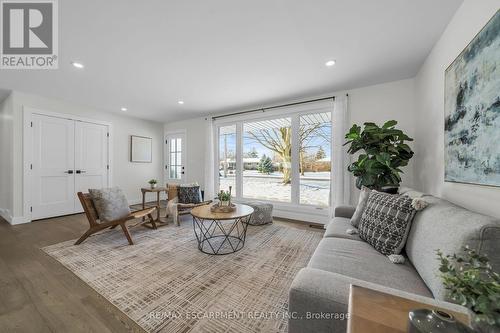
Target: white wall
(6, 161)
(129, 176)
(195, 147)
(429, 161)
(378, 103)
(382, 102)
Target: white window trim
(293, 209)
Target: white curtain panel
(209, 159)
(340, 191)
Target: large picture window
(267, 159)
(284, 158)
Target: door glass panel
(227, 158)
(175, 158)
(267, 153)
(315, 132)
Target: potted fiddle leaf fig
(383, 152)
(472, 282)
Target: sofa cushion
(360, 208)
(338, 227)
(445, 226)
(361, 261)
(110, 203)
(386, 222)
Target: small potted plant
(225, 197)
(471, 282)
(153, 183)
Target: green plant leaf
(390, 123)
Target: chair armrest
(192, 205)
(143, 212)
(344, 211)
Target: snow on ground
(314, 187)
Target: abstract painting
(472, 110)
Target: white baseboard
(19, 220)
(5, 214)
(287, 214)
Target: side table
(156, 190)
(378, 312)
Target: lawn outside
(314, 187)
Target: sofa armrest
(318, 301)
(344, 211)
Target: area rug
(165, 284)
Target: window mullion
(295, 190)
(239, 160)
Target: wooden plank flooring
(37, 294)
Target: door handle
(80, 171)
(69, 172)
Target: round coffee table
(221, 233)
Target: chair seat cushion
(110, 203)
(338, 227)
(361, 261)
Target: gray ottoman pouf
(263, 213)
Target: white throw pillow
(363, 198)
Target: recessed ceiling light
(180, 102)
(77, 64)
(124, 109)
(330, 63)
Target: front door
(175, 154)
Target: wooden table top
(203, 212)
(156, 189)
(377, 312)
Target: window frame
(294, 112)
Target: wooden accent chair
(96, 225)
(180, 208)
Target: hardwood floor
(37, 294)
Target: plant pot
(153, 186)
(482, 327)
(393, 189)
(224, 203)
(434, 321)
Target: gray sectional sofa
(341, 259)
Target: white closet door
(91, 158)
(53, 167)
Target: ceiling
(227, 55)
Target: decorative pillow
(386, 221)
(189, 194)
(363, 198)
(111, 203)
